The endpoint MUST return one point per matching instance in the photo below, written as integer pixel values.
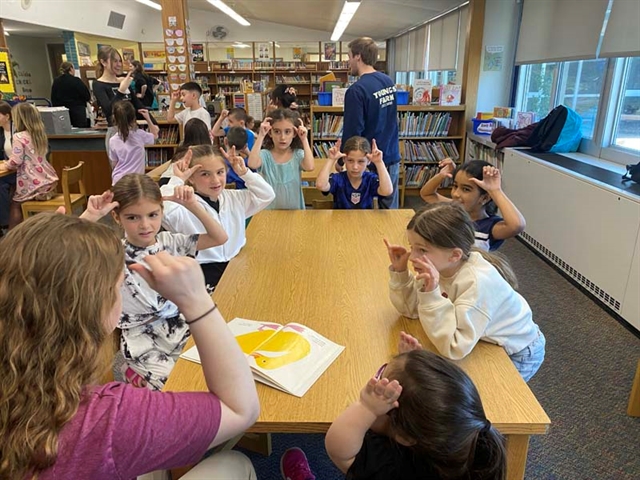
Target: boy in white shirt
(189, 95)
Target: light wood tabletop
(328, 269)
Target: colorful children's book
(450, 95)
(288, 357)
(502, 112)
(422, 92)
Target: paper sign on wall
(6, 77)
(493, 57)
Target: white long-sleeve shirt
(474, 304)
(235, 207)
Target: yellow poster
(6, 77)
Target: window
(577, 85)
(626, 133)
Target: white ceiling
(379, 19)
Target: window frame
(610, 102)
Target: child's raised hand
(175, 96)
(302, 132)
(99, 205)
(380, 396)
(334, 152)
(237, 162)
(491, 179)
(265, 127)
(398, 255)
(145, 113)
(408, 343)
(447, 167)
(224, 114)
(181, 167)
(183, 195)
(375, 156)
(125, 83)
(427, 272)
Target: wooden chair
(322, 204)
(70, 176)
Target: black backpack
(633, 173)
(558, 132)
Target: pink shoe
(295, 466)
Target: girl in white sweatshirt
(230, 208)
(460, 294)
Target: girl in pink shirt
(35, 177)
(57, 315)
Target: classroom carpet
(583, 385)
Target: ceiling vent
(116, 20)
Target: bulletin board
(6, 76)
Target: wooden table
(328, 269)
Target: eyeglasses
(380, 371)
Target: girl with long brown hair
(59, 303)
(461, 294)
(419, 417)
(35, 177)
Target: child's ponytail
(488, 455)
(124, 118)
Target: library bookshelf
(164, 147)
(227, 78)
(427, 134)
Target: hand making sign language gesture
(236, 161)
(181, 168)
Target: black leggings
(213, 272)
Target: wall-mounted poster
(84, 50)
(493, 57)
(230, 53)
(128, 55)
(197, 52)
(297, 54)
(330, 51)
(264, 51)
(6, 77)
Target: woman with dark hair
(8, 182)
(71, 92)
(144, 84)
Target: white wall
(33, 64)
(142, 24)
(500, 28)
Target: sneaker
(295, 466)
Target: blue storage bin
(402, 97)
(483, 127)
(324, 99)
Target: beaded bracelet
(202, 316)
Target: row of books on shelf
(327, 125)
(418, 175)
(158, 156)
(481, 152)
(424, 124)
(413, 151)
(168, 136)
(321, 149)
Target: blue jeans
(392, 200)
(529, 359)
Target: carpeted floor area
(583, 385)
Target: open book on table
(288, 357)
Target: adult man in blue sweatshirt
(370, 110)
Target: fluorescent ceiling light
(229, 11)
(241, 45)
(151, 4)
(348, 10)
(6, 34)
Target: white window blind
(462, 38)
(622, 37)
(443, 43)
(417, 49)
(401, 62)
(560, 30)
